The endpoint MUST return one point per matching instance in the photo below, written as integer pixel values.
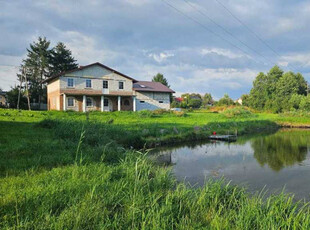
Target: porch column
(119, 103)
(84, 103)
(134, 108)
(102, 103)
(64, 102)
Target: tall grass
(63, 171)
(135, 194)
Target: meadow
(68, 170)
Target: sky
(198, 45)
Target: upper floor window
(121, 85)
(88, 83)
(105, 84)
(70, 82)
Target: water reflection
(281, 149)
(275, 160)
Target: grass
(67, 170)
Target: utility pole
(20, 87)
(28, 99)
(22, 78)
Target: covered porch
(84, 103)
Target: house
(99, 87)
(3, 99)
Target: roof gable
(85, 68)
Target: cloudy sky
(198, 45)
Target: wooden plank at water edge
(223, 137)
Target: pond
(274, 162)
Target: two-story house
(99, 87)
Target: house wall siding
(97, 74)
(151, 100)
(53, 95)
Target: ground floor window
(106, 102)
(89, 102)
(70, 101)
(126, 102)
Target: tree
(160, 78)
(245, 99)
(12, 97)
(36, 67)
(259, 93)
(207, 99)
(225, 100)
(61, 59)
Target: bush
(237, 112)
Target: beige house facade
(99, 87)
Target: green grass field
(68, 170)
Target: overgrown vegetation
(68, 170)
(277, 91)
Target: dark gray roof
(151, 87)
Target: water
(276, 162)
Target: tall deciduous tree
(160, 78)
(207, 99)
(61, 59)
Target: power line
(253, 32)
(225, 30)
(206, 28)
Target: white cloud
(161, 56)
(8, 77)
(222, 52)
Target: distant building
(178, 99)
(99, 87)
(3, 98)
(239, 101)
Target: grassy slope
(50, 181)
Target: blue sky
(143, 37)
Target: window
(142, 101)
(70, 101)
(106, 102)
(88, 83)
(105, 84)
(70, 82)
(89, 102)
(160, 102)
(121, 85)
(126, 102)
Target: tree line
(277, 91)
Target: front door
(107, 105)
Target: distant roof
(3, 92)
(151, 87)
(84, 67)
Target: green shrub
(239, 112)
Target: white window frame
(73, 100)
(72, 83)
(107, 84)
(92, 102)
(91, 85)
(120, 85)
